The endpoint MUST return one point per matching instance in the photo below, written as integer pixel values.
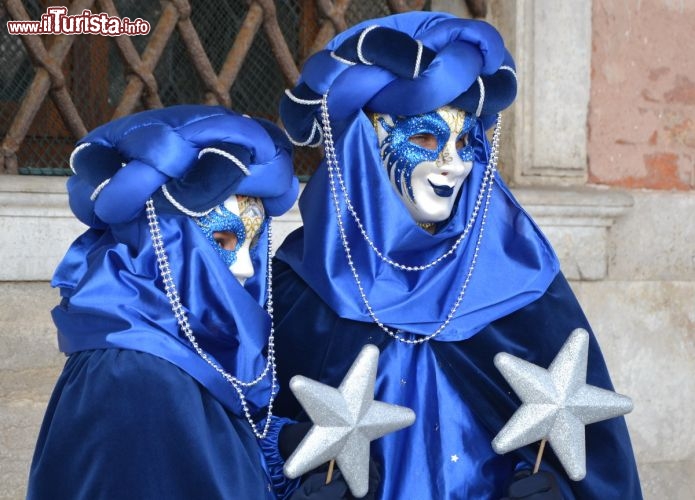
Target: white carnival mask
(427, 158)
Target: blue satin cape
(136, 412)
(460, 398)
(126, 424)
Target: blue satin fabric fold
(460, 399)
(513, 252)
(123, 424)
(282, 485)
(446, 449)
(114, 297)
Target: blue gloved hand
(314, 487)
(528, 486)
(290, 436)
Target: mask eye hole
(424, 140)
(462, 142)
(226, 239)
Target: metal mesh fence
(260, 84)
(238, 53)
(361, 11)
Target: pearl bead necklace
(334, 172)
(182, 320)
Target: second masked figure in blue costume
(166, 314)
(411, 241)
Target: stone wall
(642, 135)
(29, 366)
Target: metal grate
(238, 53)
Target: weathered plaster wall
(642, 111)
(647, 334)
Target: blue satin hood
(113, 297)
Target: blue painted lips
(442, 190)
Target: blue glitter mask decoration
(401, 156)
(221, 219)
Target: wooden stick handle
(538, 457)
(329, 476)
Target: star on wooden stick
(345, 420)
(557, 404)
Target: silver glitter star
(345, 420)
(557, 404)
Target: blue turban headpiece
(409, 64)
(200, 155)
(186, 160)
(406, 64)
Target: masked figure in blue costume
(169, 385)
(411, 241)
